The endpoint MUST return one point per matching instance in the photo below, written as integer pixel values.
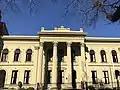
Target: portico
(60, 56)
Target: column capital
(41, 43)
(82, 44)
(69, 44)
(55, 43)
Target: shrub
(11, 89)
(115, 88)
(108, 88)
(20, 84)
(30, 88)
(91, 87)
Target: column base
(69, 86)
(54, 87)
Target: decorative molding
(36, 47)
(41, 44)
(69, 44)
(82, 44)
(55, 44)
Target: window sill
(93, 62)
(104, 62)
(115, 62)
(4, 61)
(28, 62)
(16, 61)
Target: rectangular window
(106, 77)
(26, 76)
(14, 77)
(60, 76)
(49, 76)
(94, 77)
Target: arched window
(16, 54)
(92, 55)
(28, 55)
(103, 56)
(114, 56)
(4, 55)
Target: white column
(82, 71)
(54, 68)
(83, 63)
(40, 63)
(69, 65)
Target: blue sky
(51, 15)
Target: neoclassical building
(59, 58)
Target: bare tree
(89, 11)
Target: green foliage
(115, 88)
(11, 89)
(20, 84)
(108, 88)
(30, 88)
(91, 87)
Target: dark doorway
(2, 78)
(74, 79)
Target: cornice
(70, 33)
(101, 39)
(14, 37)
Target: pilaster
(40, 63)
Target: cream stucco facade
(60, 58)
